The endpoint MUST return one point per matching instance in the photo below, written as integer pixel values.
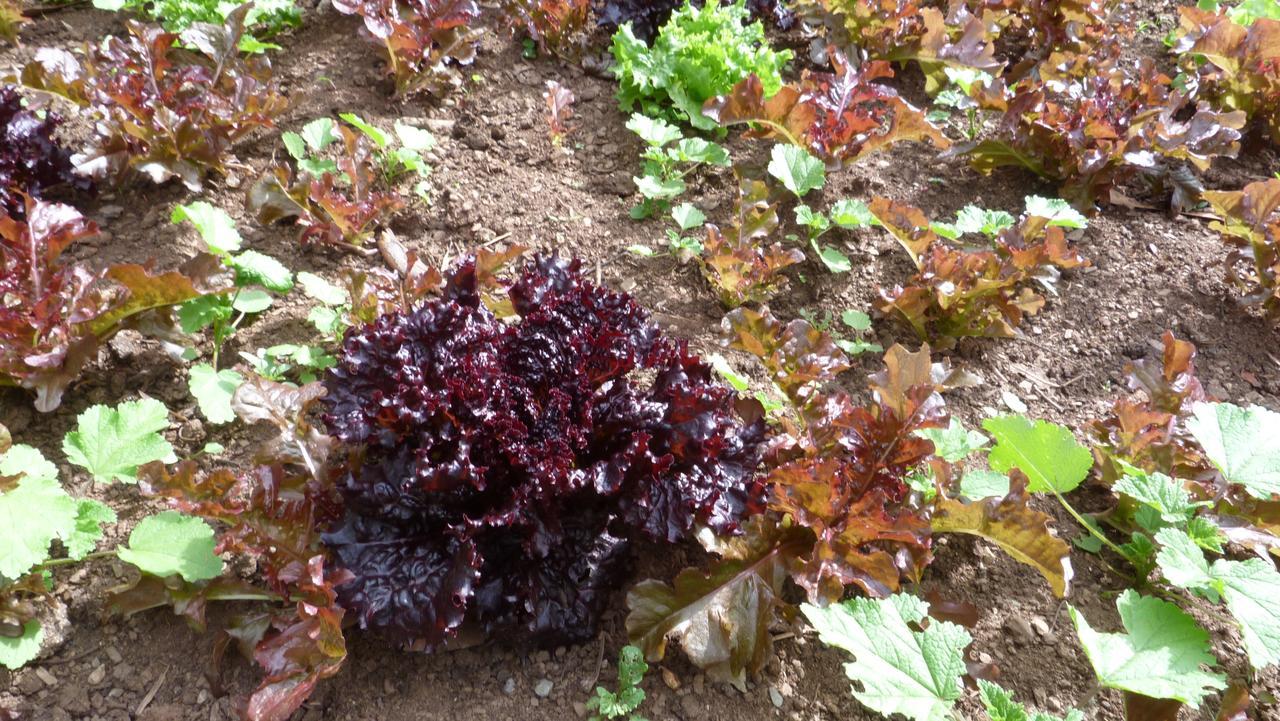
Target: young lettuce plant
(608, 432)
(701, 52)
(343, 180)
(167, 114)
(736, 262)
(257, 277)
(425, 40)
(559, 101)
(837, 117)
(57, 314)
(1249, 220)
(668, 158)
(622, 704)
(1229, 58)
(265, 19)
(11, 19)
(687, 217)
(110, 443)
(554, 26)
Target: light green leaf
(856, 319)
(416, 139)
(112, 442)
(252, 300)
(317, 167)
(318, 134)
(984, 483)
(835, 261)
(1181, 561)
(216, 228)
(955, 442)
(170, 543)
(947, 230)
(1058, 212)
(1160, 655)
(656, 188)
(816, 222)
(1244, 443)
(1001, 706)
(972, 219)
(653, 131)
(697, 150)
(378, 137)
(1168, 496)
(914, 673)
(1251, 589)
(1206, 534)
(294, 143)
(320, 289)
(254, 268)
(213, 391)
(199, 313)
(852, 214)
(1046, 452)
(687, 216)
(90, 515)
(643, 251)
(799, 171)
(16, 652)
(110, 5)
(32, 513)
(739, 382)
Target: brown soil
(497, 174)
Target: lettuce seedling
(668, 158)
(622, 703)
(701, 52)
(425, 40)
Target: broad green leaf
(90, 515)
(294, 143)
(914, 673)
(254, 268)
(378, 137)
(1159, 656)
(972, 219)
(799, 171)
(252, 300)
(687, 216)
(32, 513)
(949, 231)
(856, 320)
(858, 347)
(1046, 452)
(955, 442)
(1058, 212)
(1181, 561)
(320, 289)
(1168, 496)
(816, 222)
(656, 188)
(213, 391)
(199, 313)
(216, 228)
(1206, 534)
(112, 442)
(326, 320)
(1251, 589)
(653, 131)
(317, 167)
(697, 150)
(984, 483)
(835, 261)
(416, 139)
(15, 652)
(170, 543)
(1001, 706)
(318, 134)
(1244, 443)
(852, 214)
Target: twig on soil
(155, 688)
(599, 661)
(69, 659)
(495, 240)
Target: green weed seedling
(668, 158)
(257, 278)
(36, 511)
(623, 703)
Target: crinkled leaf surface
(213, 391)
(955, 442)
(90, 515)
(33, 513)
(112, 442)
(1244, 443)
(902, 670)
(1160, 654)
(1046, 452)
(170, 543)
(1001, 706)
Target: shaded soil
(498, 179)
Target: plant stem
(66, 561)
(1093, 531)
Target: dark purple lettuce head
(31, 161)
(499, 469)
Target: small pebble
(509, 686)
(543, 688)
(776, 697)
